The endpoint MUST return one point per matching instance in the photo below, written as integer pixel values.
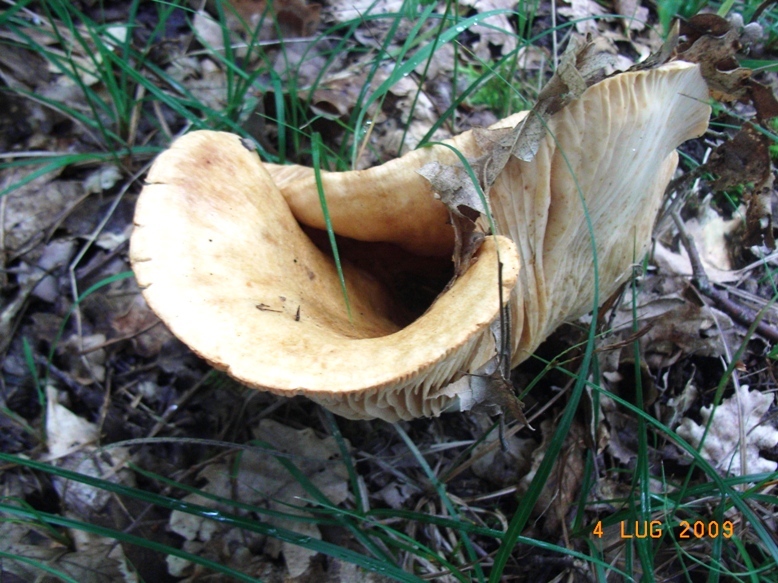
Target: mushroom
(230, 251)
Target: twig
(3, 253)
(9, 314)
(165, 417)
(700, 280)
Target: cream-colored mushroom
(221, 256)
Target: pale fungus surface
(231, 255)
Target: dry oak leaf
(740, 415)
(564, 481)
(580, 67)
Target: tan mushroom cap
(223, 261)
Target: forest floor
(125, 457)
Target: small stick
(700, 280)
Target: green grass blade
(329, 549)
(38, 565)
(440, 488)
(316, 149)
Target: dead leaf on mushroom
(580, 66)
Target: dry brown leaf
(711, 233)
(99, 563)
(20, 68)
(743, 159)
(139, 322)
(31, 209)
(586, 12)
(563, 486)
(295, 18)
(726, 80)
(262, 481)
(345, 10)
(210, 87)
(759, 216)
(86, 358)
(208, 31)
(636, 15)
(501, 467)
(764, 101)
(52, 258)
(495, 30)
(714, 43)
(66, 432)
(579, 67)
(740, 415)
(674, 263)
(669, 325)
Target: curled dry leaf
(713, 42)
(738, 418)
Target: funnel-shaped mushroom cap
(222, 259)
(225, 264)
